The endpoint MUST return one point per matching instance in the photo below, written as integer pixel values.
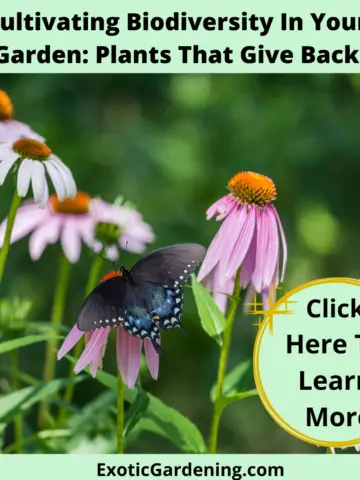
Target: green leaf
(135, 412)
(238, 396)
(12, 400)
(22, 400)
(236, 380)
(23, 342)
(212, 319)
(169, 422)
(93, 414)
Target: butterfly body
(146, 299)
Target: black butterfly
(146, 299)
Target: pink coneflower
(248, 239)
(10, 129)
(128, 352)
(77, 220)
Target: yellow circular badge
(307, 362)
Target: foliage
(168, 144)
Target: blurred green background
(169, 144)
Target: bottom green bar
(234, 467)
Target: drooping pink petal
(131, 244)
(92, 349)
(272, 249)
(283, 241)
(11, 130)
(44, 199)
(111, 253)
(219, 291)
(66, 175)
(57, 180)
(262, 241)
(248, 265)
(38, 180)
(5, 166)
(249, 298)
(27, 218)
(221, 207)
(217, 247)
(86, 226)
(97, 361)
(265, 296)
(24, 176)
(119, 215)
(152, 358)
(70, 341)
(357, 447)
(47, 233)
(243, 243)
(70, 240)
(236, 218)
(128, 356)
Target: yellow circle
(264, 324)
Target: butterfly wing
(169, 266)
(118, 303)
(161, 276)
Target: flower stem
(56, 320)
(18, 425)
(223, 359)
(120, 415)
(91, 284)
(15, 203)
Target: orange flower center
(71, 206)
(6, 107)
(250, 187)
(32, 149)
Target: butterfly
(146, 299)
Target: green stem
(91, 284)
(56, 320)
(15, 203)
(223, 359)
(120, 415)
(18, 425)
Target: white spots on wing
(177, 300)
(176, 310)
(134, 329)
(143, 333)
(173, 320)
(153, 334)
(166, 322)
(181, 277)
(189, 266)
(185, 271)
(94, 323)
(177, 291)
(100, 321)
(126, 324)
(107, 321)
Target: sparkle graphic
(275, 308)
